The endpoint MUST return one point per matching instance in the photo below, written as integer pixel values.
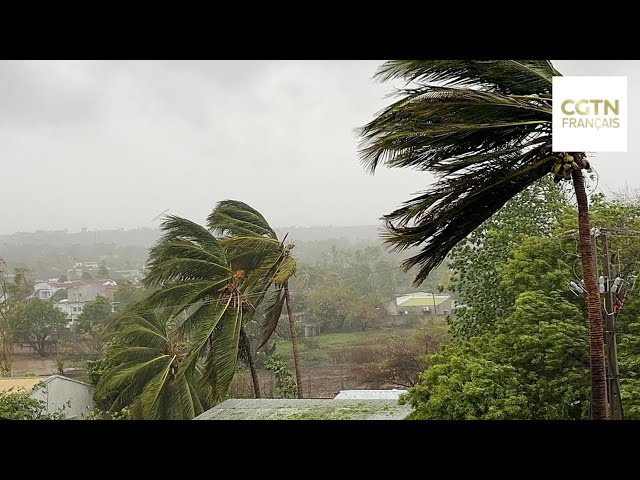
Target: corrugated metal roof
(306, 409)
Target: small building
(72, 310)
(307, 409)
(87, 291)
(311, 329)
(369, 394)
(44, 290)
(421, 303)
(73, 397)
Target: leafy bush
(285, 381)
(18, 405)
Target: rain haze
(110, 144)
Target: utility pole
(595, 233)
(611, 346)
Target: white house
(421, 303)
(44, 290)
(71, 309)
(59, 393)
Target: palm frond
(232, 217)
(286, 270)
(271, 316)
(485, 131)
(183, 261)
(175, 228)
(143, 370)
(220, 366)
(445, 214)
(507, 76)
(184, 295)
(204, 331)
(433, 126)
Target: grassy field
(331, 346)
(327, 362)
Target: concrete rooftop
(306, 409)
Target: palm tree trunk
(596, 337)
(6, 353)
(294, 340)
(246, 345)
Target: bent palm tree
(255, 246)
(145, 371)
(200, 286)
(485, 130)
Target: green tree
(485, 129)
(96, 312)
(535, 366)
(255, 247)
(328, 305)
(475, 260)
(82, 348)
(38, 322)
(285, 382)
(59, 295)
(13, 296)
(144, 371)
(86, 275)
(18, 405)
(103, 271)
(128, 293)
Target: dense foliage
(38, 322)
(535, 366)
(96, 312)
(284, 379)
(474, 261)
(18, 405)
(142, 371)
(521, 347)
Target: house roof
(27, 383)
(72, 284)
(19, 383)
(69, 379)
(420, 300)
(306, 409)
(369, 394)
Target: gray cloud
(113, 143)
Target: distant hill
(51, 253)
(56, 238)
(310, 234)
(146, 237)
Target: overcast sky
(109, 144)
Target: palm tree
(201, 287)
(253, 244)
(144, 370)
(485, 130)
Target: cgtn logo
(589, 114)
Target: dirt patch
(24, 363)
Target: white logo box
(577, 127)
